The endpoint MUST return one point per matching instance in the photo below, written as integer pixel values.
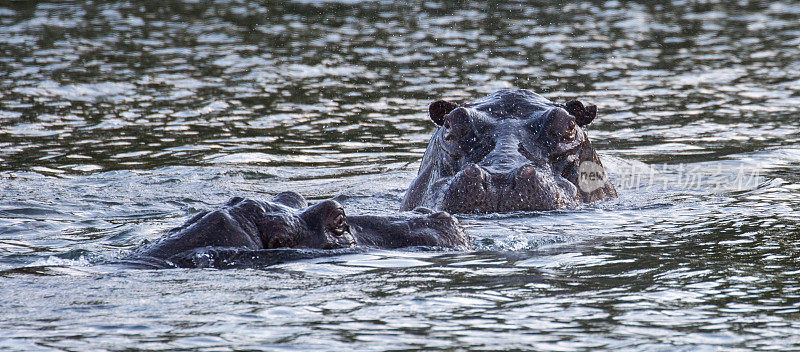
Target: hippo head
(287, 221)
(325, 225)
(322, 225)
(512, 150)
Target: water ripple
(118, 120)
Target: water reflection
(127, 86)
(119, 119)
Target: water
(120, 119)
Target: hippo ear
(439, 108)
(583, 114)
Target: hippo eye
(570, 133)
(338, 224)
(566, 136)
(457, 127)
(562, 127)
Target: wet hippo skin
(512, 150)
(288, 222)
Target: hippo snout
(529, 186)
(506, 175)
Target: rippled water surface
(120, 119)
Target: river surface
(118, 120)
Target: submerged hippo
(288, 222)
(512, 150)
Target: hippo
(513, 150)
(287, 221)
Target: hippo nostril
(526, 171)
(473, 171)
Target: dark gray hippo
(512, 150)
(287, 221)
